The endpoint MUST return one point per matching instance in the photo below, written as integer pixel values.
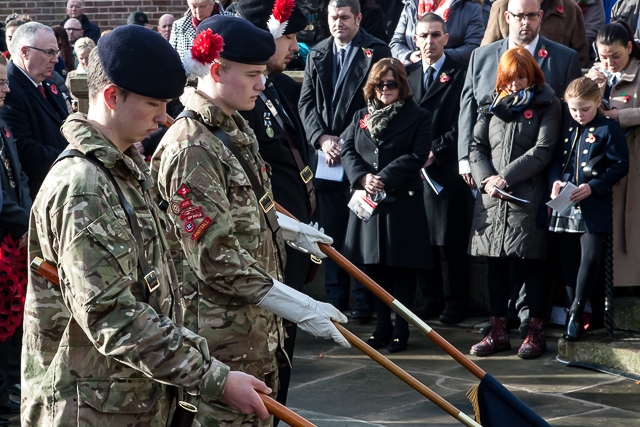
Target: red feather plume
(207, 47)
(282, 10)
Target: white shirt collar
(531, 47)
(336, 48)
(436, 65)
(25, 73)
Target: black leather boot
(575, 326)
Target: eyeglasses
(50, 52)
(4, 82)
(388, 85)
(73, 29)
(533, 16)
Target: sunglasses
(388, 85)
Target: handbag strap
(305, 171)
(150, 277)
(265, 200)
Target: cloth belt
(265, 200)
(150, 277)
(305, 171)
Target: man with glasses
(75, 9)
(35, 108)
(334, 76)
(559, 64)
(74, 30)
(561, 21)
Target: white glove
(303, 237)
(311, 316)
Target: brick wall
(107, 14)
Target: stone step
(626, 313)
(622, 352)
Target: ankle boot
(496, 340)
(534, 345)
(575, 326)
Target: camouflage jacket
(98, 349)
(229, 249)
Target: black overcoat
(14, 216)
(35, 123)
(448, 212)
(397, 234)
(324, 110)
(288, 188)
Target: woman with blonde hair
(513, 143)
(81, 48)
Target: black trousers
(455, 293)
(402, 284)
(500, 275)
(10, 363)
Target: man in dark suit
(336, 71)
(559, 64)
(280, 134)
(433, 81)
(75, 9)
(35, 108)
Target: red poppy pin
(54, 89)
(6, 133)
(445, 15)
(367, 52)
(444, 78)
(528, 114)
(625, 97)
(591, 138)
(363, 122)
(542, 53)
(560, 9)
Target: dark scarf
(508, 107)
(380, 115)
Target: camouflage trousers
(217, 414)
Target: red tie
(41, 90)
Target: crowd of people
(186, 209)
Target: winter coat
(626, 205)
(465, 28)
(518, 151)
(397, 234)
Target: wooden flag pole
(285, 414)
(407, 378)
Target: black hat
(138, 18)
(258, 12)
(141, 61)
(243, 42)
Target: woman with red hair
(513, 143)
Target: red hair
(518, 63)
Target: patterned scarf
(507, 106)
(439, 7)
(380, 115)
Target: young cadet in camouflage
(102, 348)
(232, 278)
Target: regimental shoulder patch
(190, 211)
(175, 208)
(201, 228)
(189, 227)
(183, 191)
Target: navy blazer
(14, 217)
(35, 123)
(610, 141)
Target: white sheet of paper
(323, 171)
(563, 201)
(511, 196)
(437, 188)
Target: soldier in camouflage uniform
(232, 277)
(101, 348)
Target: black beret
(141, 61)
(258, 13)
(138, 18)
(243, 42)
